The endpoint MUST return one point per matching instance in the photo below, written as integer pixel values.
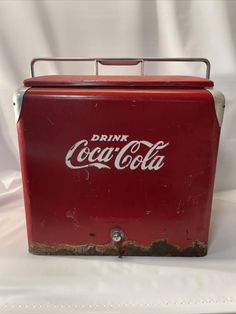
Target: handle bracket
(123, 62)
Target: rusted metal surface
(128, 248)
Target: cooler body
(118, 169)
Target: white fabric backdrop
(123, 28)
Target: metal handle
(120, 62)
(124, 62)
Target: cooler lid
(173, 81)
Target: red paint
(124, 81)
(64, 205)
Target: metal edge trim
(219, 102)
(18, 101)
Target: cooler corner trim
(18, 101)
(219, 102)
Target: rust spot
(128, 248)
(92, 234)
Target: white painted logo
(128, 156)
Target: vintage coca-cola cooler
(118, 165)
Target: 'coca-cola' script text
(132, 154)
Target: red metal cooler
(118, 165)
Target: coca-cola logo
(133, 154)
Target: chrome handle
(124, 62)
(120, 62)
